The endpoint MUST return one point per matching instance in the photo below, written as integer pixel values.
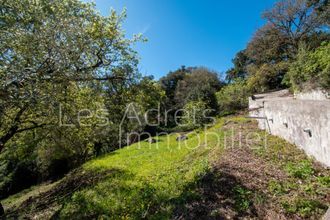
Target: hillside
(191, 179)
(146, 113)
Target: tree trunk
(2, 211)
(1, 147)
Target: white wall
(305, 123)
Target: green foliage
(195, 113)
(233, 97)
(186, 85)
(302, 170)
(279, 188)
(149, 94)
(171, 80)
(266, 76)
(276, 188)
(324, 181)
(134, 100)
(200, 84)
(311, 68)
(18, 167)
(239, 71)
(303, 191)
(268, 55)
(51, 51)
(242, 198)
(66, 76)
(303, 207)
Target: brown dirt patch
(237, 187)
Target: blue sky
(189, 32)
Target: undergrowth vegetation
(306, 185)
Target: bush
(311, 68)
(233, 97)
(17, 176)
(196, 114)
(18, 167)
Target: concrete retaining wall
(305, 123)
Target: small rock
(151, 140)
(181, 138)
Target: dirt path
(235, 188)
(238, 186)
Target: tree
(233, 97)
(195, 114)
(268, 45)
(296, 20)
(267, 76)
(48, 45)
(137, 99)
(185, 85)
(200, 84)
(169, 84)
(275, 45)
(59, 56)
(322, 9)
(241, 61)
(149, 95)
(311, 69)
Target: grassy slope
(140, 180)
(153, 180)
(148, 179)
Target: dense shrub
(186, 85)
(200, 84)
(196, 114)
(311, 68)
(267, 76)
(233, 97)
(18, 170)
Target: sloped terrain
(240, 173)
(259, 176)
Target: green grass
(147, 179)
(242, 198)
(303, 169)
(303, 191)
(17, 199)
(156, 180)
(303, 207)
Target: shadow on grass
(73, 182)
(217, 195)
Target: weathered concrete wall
(316, 94)
(305, 123)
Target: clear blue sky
(189, 32)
